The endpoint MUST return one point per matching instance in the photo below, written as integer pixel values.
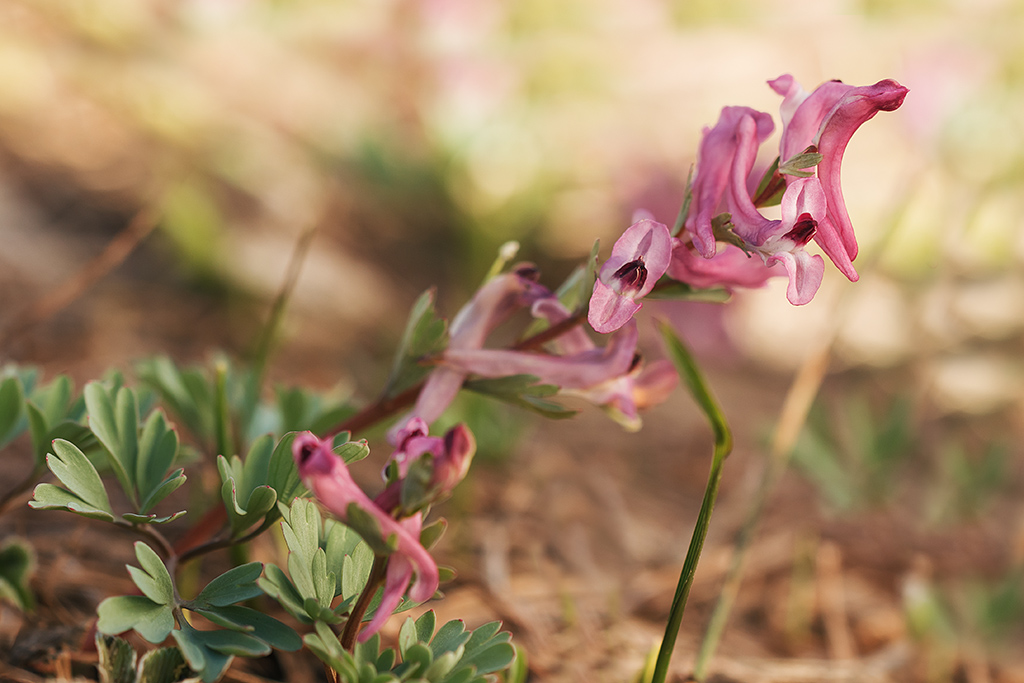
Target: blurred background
(418, 136)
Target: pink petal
(805, 274)
(328, 478)
(582, 370)
(647, 240)
(714, 164)
(609, 311)
(729, 268)
(856, 107)
(747, 221)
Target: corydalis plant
(806, 180)
(355, 571)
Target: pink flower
(729, 268)
(827, 118)
(499, 297)
(580, 370)
(611, 377)
(777, 241)
(640, 256)
(328, 478)
(450, 458)
(715, 157)
(396, 579)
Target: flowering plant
(372, 558)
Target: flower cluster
(714, 247)
(391, 523)
(424, 469)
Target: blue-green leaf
(50, 497)
(153, 579)
(158, 446)
(12, 409)
(282, 473)
(114, 419)
(164, 489)
(152, 621)
(234, 585)
(153, 518)
(164, 665)
(116, 659)
(17, 564)
(81, 480)
(352, 451)
(255, 623)
(425, 334)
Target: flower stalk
(688, 370)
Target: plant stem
(388, 406)
(355, 619)
(794, 413)
(688, 370)
(210, 546)
(163, 545)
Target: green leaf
(164, 489)
(341, 541)
(277, 585)
(450, 637)
(114, 419)
(425, 626)
(352, 451)
(415, 661)
(210, 664)
(244, 508)
(50, 497)
(153, 518)
(282, 473)
(17, 565)
(493, 658)
(188, 394)
(795, 165)
(116, 659)
(12, 410)
(771, 187)
(407, 636)
(165, 665)
(575, 292)
(157, 449)
(45, 432)
(153, 579)
(326, 647)
(426, 334)
(152, 621)
(84, 494)
(522, 391)
(255, 623)
(234, 585)
(519, 671)
(432, 533)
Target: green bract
(426, 334)
(523, 391)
